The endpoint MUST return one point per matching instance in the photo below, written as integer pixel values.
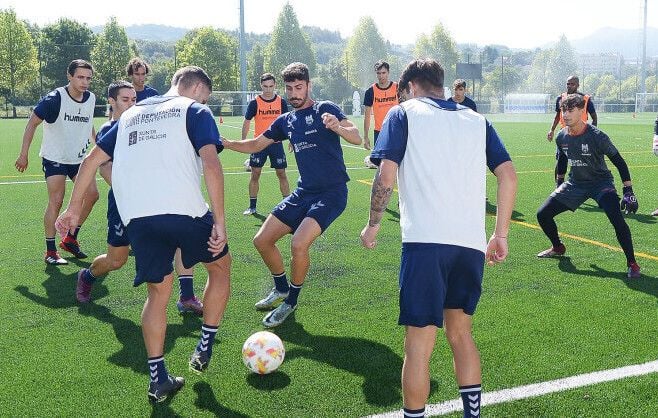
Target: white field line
(538, 389)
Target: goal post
(646, 102)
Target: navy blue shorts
(154, 240)
(573, 195)
(52, 168)
(434, 277)
(117, 236)
(324, 207)
(275, 153)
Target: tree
(536, 81)
(61, 43)
(110, 55)
(288, 44)
(332, 84)
(608, 88)
(216, 52)
(364, 49)
(18, 56)
(561, 65)
(255, 67)
(162, 70)
(440, 46)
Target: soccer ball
(246, 165)
(263, 352)
(368, 163)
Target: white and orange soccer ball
(263, 352)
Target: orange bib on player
(584, 117)
(383, 100)
(266, 112)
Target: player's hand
(366, 143)
(497, 250)
(549, 136)
(66, 222)
(290, 147)
(217, 240)
(21, 163)
(330, 121)
(558, 181)
(369, 236)
(629, 203)
(655, 145)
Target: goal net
(646, 102)
(527, 103)
(230, 103)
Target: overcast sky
(517, 24)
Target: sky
(514, 23)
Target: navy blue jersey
(468, 102)
(146, 93)
(201, 130)
(317, 149)
(252, 107)
(586, 153)
(48, 107)
(392, 141)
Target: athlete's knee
(459, 336)
(115, 263)
(262, 241)
(281, 174)
(299, 247)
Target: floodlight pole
(243, 61)
(643, 68)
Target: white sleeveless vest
(442, 177)
(66, 140)
(156, 170)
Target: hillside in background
(627, 42)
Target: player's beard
(298, 102)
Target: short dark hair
(426, 72)
(267, 76)
(188, 76)
(295, 71)
(113, 88)
(382, 64)
(75, 64)
(572, 101)
(460, 82)
(135, 64)
(574, 78)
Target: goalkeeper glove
(629, 202)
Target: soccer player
(121, 96)
(264, 109)
(459, 95)
(440, 152)
(137, 69)
(377, 100)
(158, 147)
(69, 115)
(572, 88)
(584, 147)
(314, 130)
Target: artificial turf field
(537, 321)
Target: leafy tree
(288, 44)
(561, 65)
(18, 56)
(608, 88)
(630, 86)
(216, 52)
(162, 71)
(255, 67)
(440, 46)
(590, 83)
(110, 55)
(364, 48)
(61, 43)
(332, 84)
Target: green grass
(538, 320)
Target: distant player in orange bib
(264, 109)
(378, 99)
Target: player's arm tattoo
(379, 198)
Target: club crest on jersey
(309, 120)
(585, 149)
(132, 138)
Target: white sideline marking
(538, 389)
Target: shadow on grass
(273, 381)
(644, 284)
(395, 215)
(491, 210)
(60, 294)
(207, 401)
(376, 363)
(639, 217)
